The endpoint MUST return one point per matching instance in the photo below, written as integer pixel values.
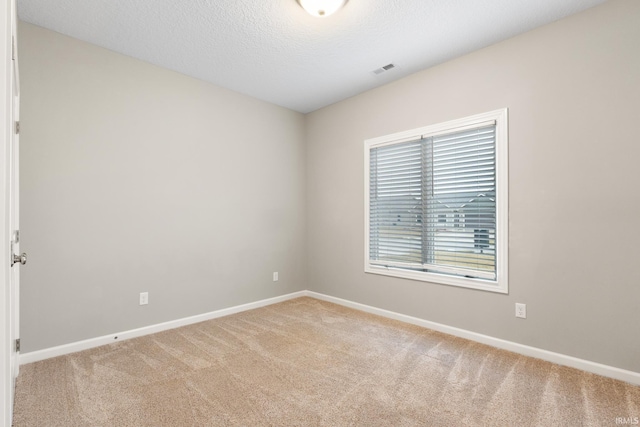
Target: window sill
(499, 286)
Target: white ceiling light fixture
(321, 8)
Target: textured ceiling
(273, 50)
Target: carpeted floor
(306, 362)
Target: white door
(16, 258)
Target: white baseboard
(550, 356)
(560, 359)
(61, 350)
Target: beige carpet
(306, 362)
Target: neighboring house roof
(464, 200)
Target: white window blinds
(432, 203)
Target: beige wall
(136, 178)
(573, 93)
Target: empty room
(320, 213)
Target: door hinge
(18, 345)
(17, 128)
(13, 48)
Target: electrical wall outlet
(144, 298)
(275, 276)
(521, 310)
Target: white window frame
(501, 283)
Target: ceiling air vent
(384, 69)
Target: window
(436, 203)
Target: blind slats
(432, 204)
